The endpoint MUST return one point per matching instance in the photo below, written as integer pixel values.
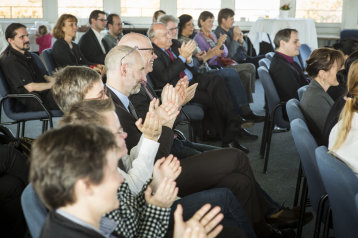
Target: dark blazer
(286, 78)
(128, 123)
(63, 55)
(164, 70)
(91, 48)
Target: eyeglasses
(130, 52)
(151, 49)
(102, 20)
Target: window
(139, 8)
(253, 9)
(195, 7)
(79, 8)
(323, 11)
(21, 9)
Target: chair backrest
(300, 91)
(270, 55)
(271, 96)
(34, 210)
(306, 145)
(50, 63)
(342, 186)
(349, 33)
(39, 63)
(265, 62)
(305, 52)
(293, 110)
(9, 105)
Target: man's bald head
(145, 48)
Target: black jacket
(286, 79)
(63, 55)
(90, 48)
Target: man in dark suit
(125, 73)
(91, 42)
(285, 72)
(174, 62)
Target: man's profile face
(228, 23)
(162, 37)
(99, 23)
(117, 26)
(147, 52)
(113, 124)
(21, 40)
(136, 75)
(291, 48)
(173, 29)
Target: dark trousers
(184, 148)
(32, 104)
(234, 214)
(213, 94)
(225, 168)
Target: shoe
(288, 218)
(253, 117)
(278, 129)
(239, 122)
(236, 145)
(247, 135)
(264, 230)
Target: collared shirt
(99, 38)
(107, 226)
(187, 71)
(289, 60)
(124, 99)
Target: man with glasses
(114, 26)
(91, 42)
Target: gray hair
(167, 18)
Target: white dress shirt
(348, 151)
(99, 38)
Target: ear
(83, 186)
(123, 69)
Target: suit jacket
(164, 69)
(286, 79)
(128, 123)
(91, 48)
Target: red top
(44, 42)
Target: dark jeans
(234, 214)
(235, 87)
(184, 148)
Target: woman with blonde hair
(343, 140)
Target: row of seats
(330, 185)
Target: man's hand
(181, 90)
(221, 40)
(186, 50)
(238, 36)
(164, 196)
(165, 168)
(190, 93)
(152, 127)
(205, 219)
(167, 112)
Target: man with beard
(21, 71)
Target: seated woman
(206, 40)
(339, 103)
(322, 67)
(65, 51)
(343, 138)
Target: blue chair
(270, 55)
(265, 62)
(300, 91)
(17, 112)
(312, 183)
(39, 63)
(49, 61)
(349, 33)
(273, 115)
(342, 186)
(34, 210)
(305, 52)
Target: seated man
(285, 72)
(114, 34)
(21, 71)
(235, 42)
(84, 188)
(91, 42)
